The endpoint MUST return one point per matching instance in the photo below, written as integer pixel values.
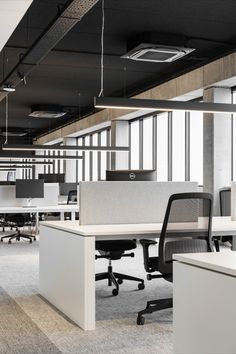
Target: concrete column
(119, 137)
(216, 145)
(70, 165)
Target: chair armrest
(145, 244)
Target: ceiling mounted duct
(47, 111)
(157, 53)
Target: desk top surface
(220, 226)
(43, 208)
(222, 262)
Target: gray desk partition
(126, 202)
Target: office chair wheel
(115, 292)
(149, 277)
(9, 241)
(141, 286)
(1, 240)
(30, 241)
(140, 320)
(18, 239)
(120, 281)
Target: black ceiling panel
(70, 74)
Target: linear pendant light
(39, 157)
(4, 162)
(163, 105)
(21, 147)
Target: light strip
(163, 105)
(3, 162)
(13, 166)
(62, 148)
(40, 157)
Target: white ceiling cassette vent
(157, 53)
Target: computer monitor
(65, 188)
(29, 188)
(52, 177)
(131, 175)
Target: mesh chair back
(225, 202)
(186, 227)
(72, 197)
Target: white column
(70, 165)
(216, 145)
(120, 137)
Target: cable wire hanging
(6, 141)
(102, 50)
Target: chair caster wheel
(9, 241)
(149, 277)
(115, 292)
(1, 240)
(120, 281)
(30, 241)
(141, 286)
(140, 320)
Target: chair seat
(115, 245)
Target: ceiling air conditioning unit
(47, 111)
(157, 53)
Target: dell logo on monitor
(132, 176)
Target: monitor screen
(29, 188)
(52, 177)
(131, 175)
(65, 188)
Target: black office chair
(190, 209)
(19, 221)
(113, 250)
(72, 197)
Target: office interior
(87, 188)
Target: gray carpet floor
(28, 324)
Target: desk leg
(67, 274)
(37, 223)
(233, 243)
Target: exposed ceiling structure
(68, 77)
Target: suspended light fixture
(163, 105)
(4, 162)
(20, 147)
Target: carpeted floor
(28, 324)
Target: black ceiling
(70, 74)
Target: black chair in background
(182, 208)
(72, 197)
(19, 221)
(225, 208)
(113, 250)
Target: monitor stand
(28, 204)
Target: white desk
(67, 253)
(204, 299)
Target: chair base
(117, 278)
(152, 306)
(18, 236)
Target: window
(103, 155)
(162, 147)
(178, 146)
(87, 159)
(196, 147)
(148, 143)
(95, 158)
(134, 145)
